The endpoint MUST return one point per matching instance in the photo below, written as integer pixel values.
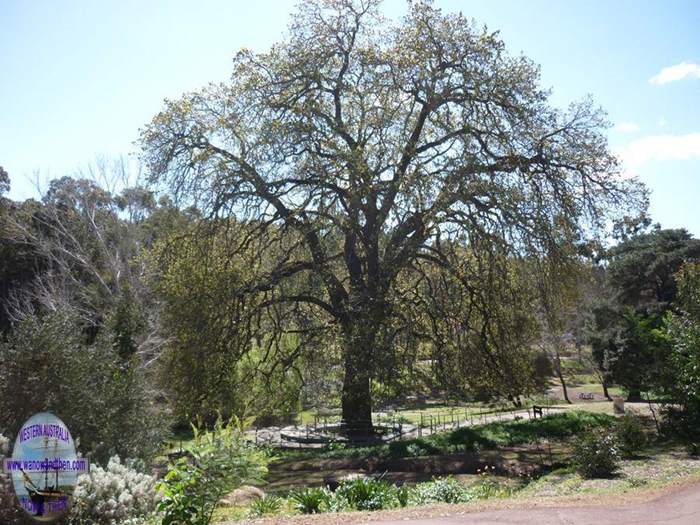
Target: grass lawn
(490, 435)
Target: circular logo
(44, 467)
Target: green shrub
(219, 462)
(596, 454)
(377, 494)
(412, 448)
(630, 435)
(367, 494)
(683, 422)
(489, 487)
(682, 328)
(403, 495)
(265, 506)
(415, 450)
(311, 500)
(337, 503)
(441, 490)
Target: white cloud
(662, 123)
(659, 148)
(626, 127)
(677, 72)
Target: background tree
(364, 141)
(76, 315)
(628, 336)
(683, 331)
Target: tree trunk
(560, 375)
(634, 395)
(605, 390)
(563, 385)
(356, 397)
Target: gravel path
(679, 507)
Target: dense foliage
(46, 364)
(372, 493)
(213, 362)
(683, 332)
(630, 435)
(217, 462)
(628, 331)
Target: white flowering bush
(117, 494)
(596, 454)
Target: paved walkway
(680, 507)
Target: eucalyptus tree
(366, 141)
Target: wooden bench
(540, 410)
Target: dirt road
(677, 507)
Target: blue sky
(78, 78)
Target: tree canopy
(367, 145)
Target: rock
(618, 405)
(243, 495)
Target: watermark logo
(44, 467)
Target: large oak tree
(366, 144)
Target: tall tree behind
(79, 249)
(627, 338)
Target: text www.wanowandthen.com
(42, 465)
